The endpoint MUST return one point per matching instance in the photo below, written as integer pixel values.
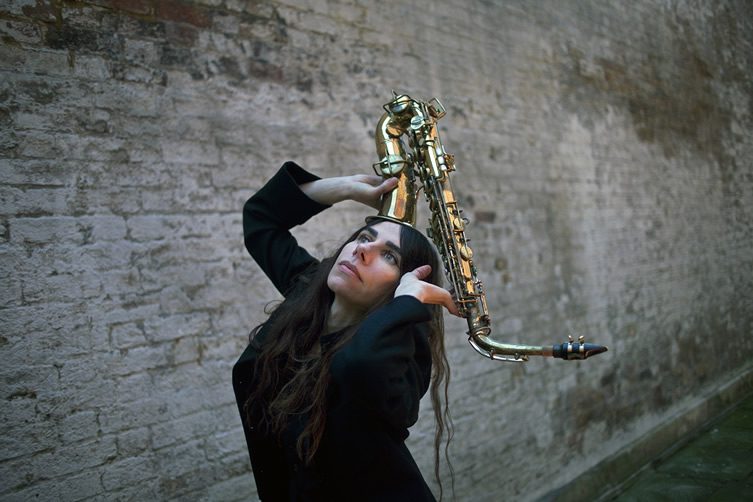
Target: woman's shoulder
(404, 308)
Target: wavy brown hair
(292, 372)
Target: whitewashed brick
(133, 415)
(232, 489)
(183, 430)
(120, 474)
(79, 426)
(127, 335)
(76, 487)
(133, 442)
(164, 328)
(46, 230)
(36, 436)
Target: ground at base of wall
(716, 466)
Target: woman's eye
(363, 238)
(390, 257)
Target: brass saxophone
(431, 164)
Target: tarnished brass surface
(429, 163)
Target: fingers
(413, 284)
(442, 297)
(384, 187)
(371, 179)
(422, 272)
(369, 189)
(452, 307)
(381, 185)
(448, 302)
(387, 185)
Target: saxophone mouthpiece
(577, 350)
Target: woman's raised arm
(363, 188)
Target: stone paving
(716, 466)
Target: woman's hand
(363, 188)
(412, 284)
(368, 189)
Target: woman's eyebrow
(393, 247)
(390, 244)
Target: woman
(330, 383)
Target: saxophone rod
(569, 350)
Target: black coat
(377, 378)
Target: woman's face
(368, 267)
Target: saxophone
(429, 164)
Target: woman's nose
(363, 251)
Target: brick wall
(606, 154)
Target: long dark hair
(292, 372)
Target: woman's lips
(349, 268)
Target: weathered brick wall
(606, 153)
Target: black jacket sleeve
(386, 367)
(267, 217)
